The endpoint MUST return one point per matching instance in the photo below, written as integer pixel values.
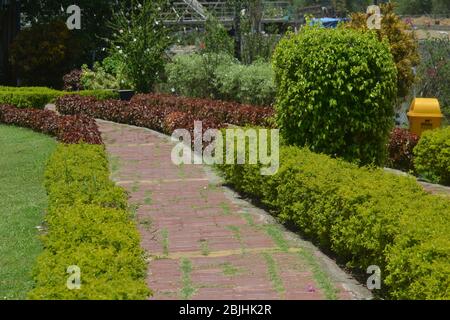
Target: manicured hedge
(432, 155)
(39, 97)
(88, 226)
(67, 129)
(336, 92)
(363, 215)
(166, 113)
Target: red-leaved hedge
(220, 111)
(67, 129)
(166, 113)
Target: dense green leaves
(39, 97)
(365, 216)
(219, 76)
(432, 155)
(336, 92)
(88, 227)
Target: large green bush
(219, 76)
(336, 92)
(365, 216)
(432, 155)
(89, 226)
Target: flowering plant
(140, 40)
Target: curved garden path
(203, 241)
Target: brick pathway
(202, 243)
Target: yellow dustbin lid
(425, 107)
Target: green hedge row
(364, 215)
(432, 155)
(89, 226)
(39, 97)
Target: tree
(413, 6)
(403, 45)
(43, 53)
(94, 27)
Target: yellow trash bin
(424, 114)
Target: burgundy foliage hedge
(166, 113)
(67, 129)
(401, 146)
(220, 111)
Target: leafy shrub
(219, 76)
(67, 129)
(252, 84)
(363, 215)
(36, 98)
(140, 41)
(401, 146)
(152, 110)
(194, 75)
(39, 97)
(336, 92)
(217, 39)
(257, 46)
(89, 227)
(402, 42)
(98, 78)
(72, 80)
(432, 155)
(43, 53)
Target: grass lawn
(23, 155)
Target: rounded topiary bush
(336, 92)
(432, 155)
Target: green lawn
(23, 155)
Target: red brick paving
(202, 226)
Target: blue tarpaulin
(328, 22)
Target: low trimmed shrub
(39, 97)
(432, 155)
(400, 148)
(89, 227)
(21, 98)
(363, 215)
(157, 112)
(67, 129)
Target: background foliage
(44, 53)
(403, 45)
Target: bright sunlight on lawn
(22, 203)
